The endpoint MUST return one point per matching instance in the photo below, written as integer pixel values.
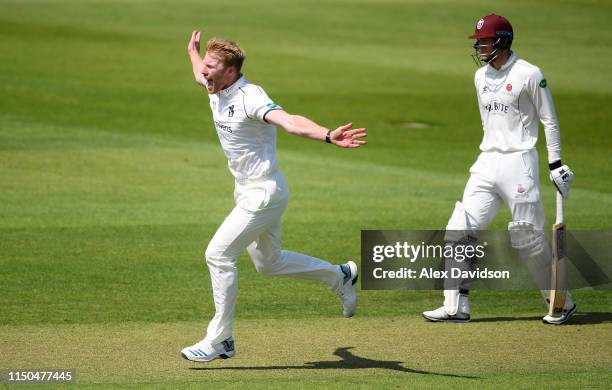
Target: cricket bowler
(246, 119)
(513, 96)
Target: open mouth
(209, 85)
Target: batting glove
(562, 177)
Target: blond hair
(228, 51)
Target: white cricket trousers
(255, 225)
(510, 178)
(498, 178)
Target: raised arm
(193, 49)
(344, 136)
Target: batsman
(513, 97)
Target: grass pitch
(368, 352)
(112, 183)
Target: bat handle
(559, 219)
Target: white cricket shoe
(348, 293)
(440, 315)
(567, 313)
(204, 351)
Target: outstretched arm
(344, 136)
(193, 49)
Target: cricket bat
(558, 272)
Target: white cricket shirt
(511, 101)
(248, 141)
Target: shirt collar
(234, 87)
(508, 63)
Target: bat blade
(558, 275)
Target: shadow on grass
(506, 319)
(589, 318)
(349, 361)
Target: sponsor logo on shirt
(223, 127)
(543, 83)
(272, 106)
(496, 107)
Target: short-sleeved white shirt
(512, 100)
(248, 141)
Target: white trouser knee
(267, 266)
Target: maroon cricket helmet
(492, 26)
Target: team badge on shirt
(509, 87)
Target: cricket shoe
(347, 292)
(204, 351)
(567, 313)
(440, 315)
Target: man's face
(485, 47)
(217, 76)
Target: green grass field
(113, 181)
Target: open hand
(194, 42)
(347, 137)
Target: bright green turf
(369, 353)
(112, 183)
